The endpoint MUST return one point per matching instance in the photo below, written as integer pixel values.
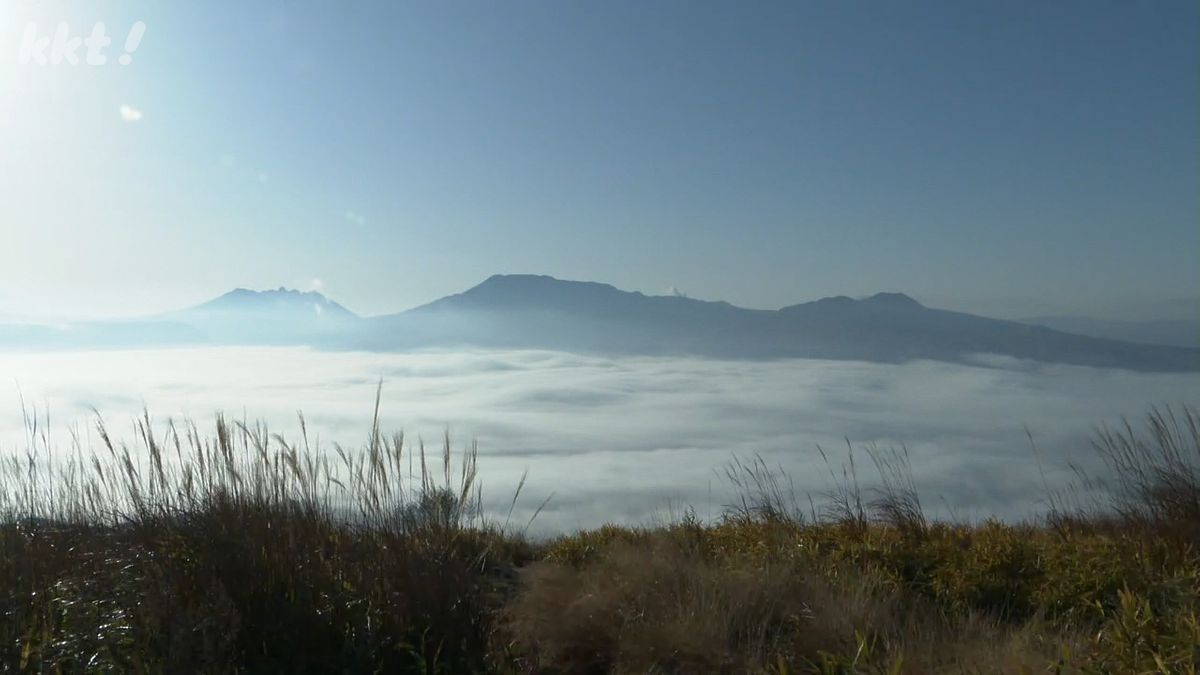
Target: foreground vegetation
(243, 552)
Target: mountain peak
(846, 303)
(280, 299)
(534, 287)
(520, 280)
(835, 300)
(281, 291)
(892, 300)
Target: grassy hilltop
(241, 552)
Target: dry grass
(224, 552)
(666, 605)
(1157, 473)
(659, 606)
(242, 551)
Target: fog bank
(625, 440)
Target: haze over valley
(541, 312)
(625, 407)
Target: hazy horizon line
(1116, 309)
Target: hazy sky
(759, 153)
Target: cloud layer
(628, 439)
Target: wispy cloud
(357, 219)
(130, 113)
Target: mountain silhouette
(239, 317)
(283, 302)
(1175, 332)
(281, 316)
(540, 312)
(526, 311)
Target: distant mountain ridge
(527, 311)
(281, 316)
(1173, 332)
(541, 312)
(282, 299)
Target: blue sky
(1012, 157)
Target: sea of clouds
(632, 440)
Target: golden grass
(239, 551)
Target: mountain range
(540, 312)
(1175, 332)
